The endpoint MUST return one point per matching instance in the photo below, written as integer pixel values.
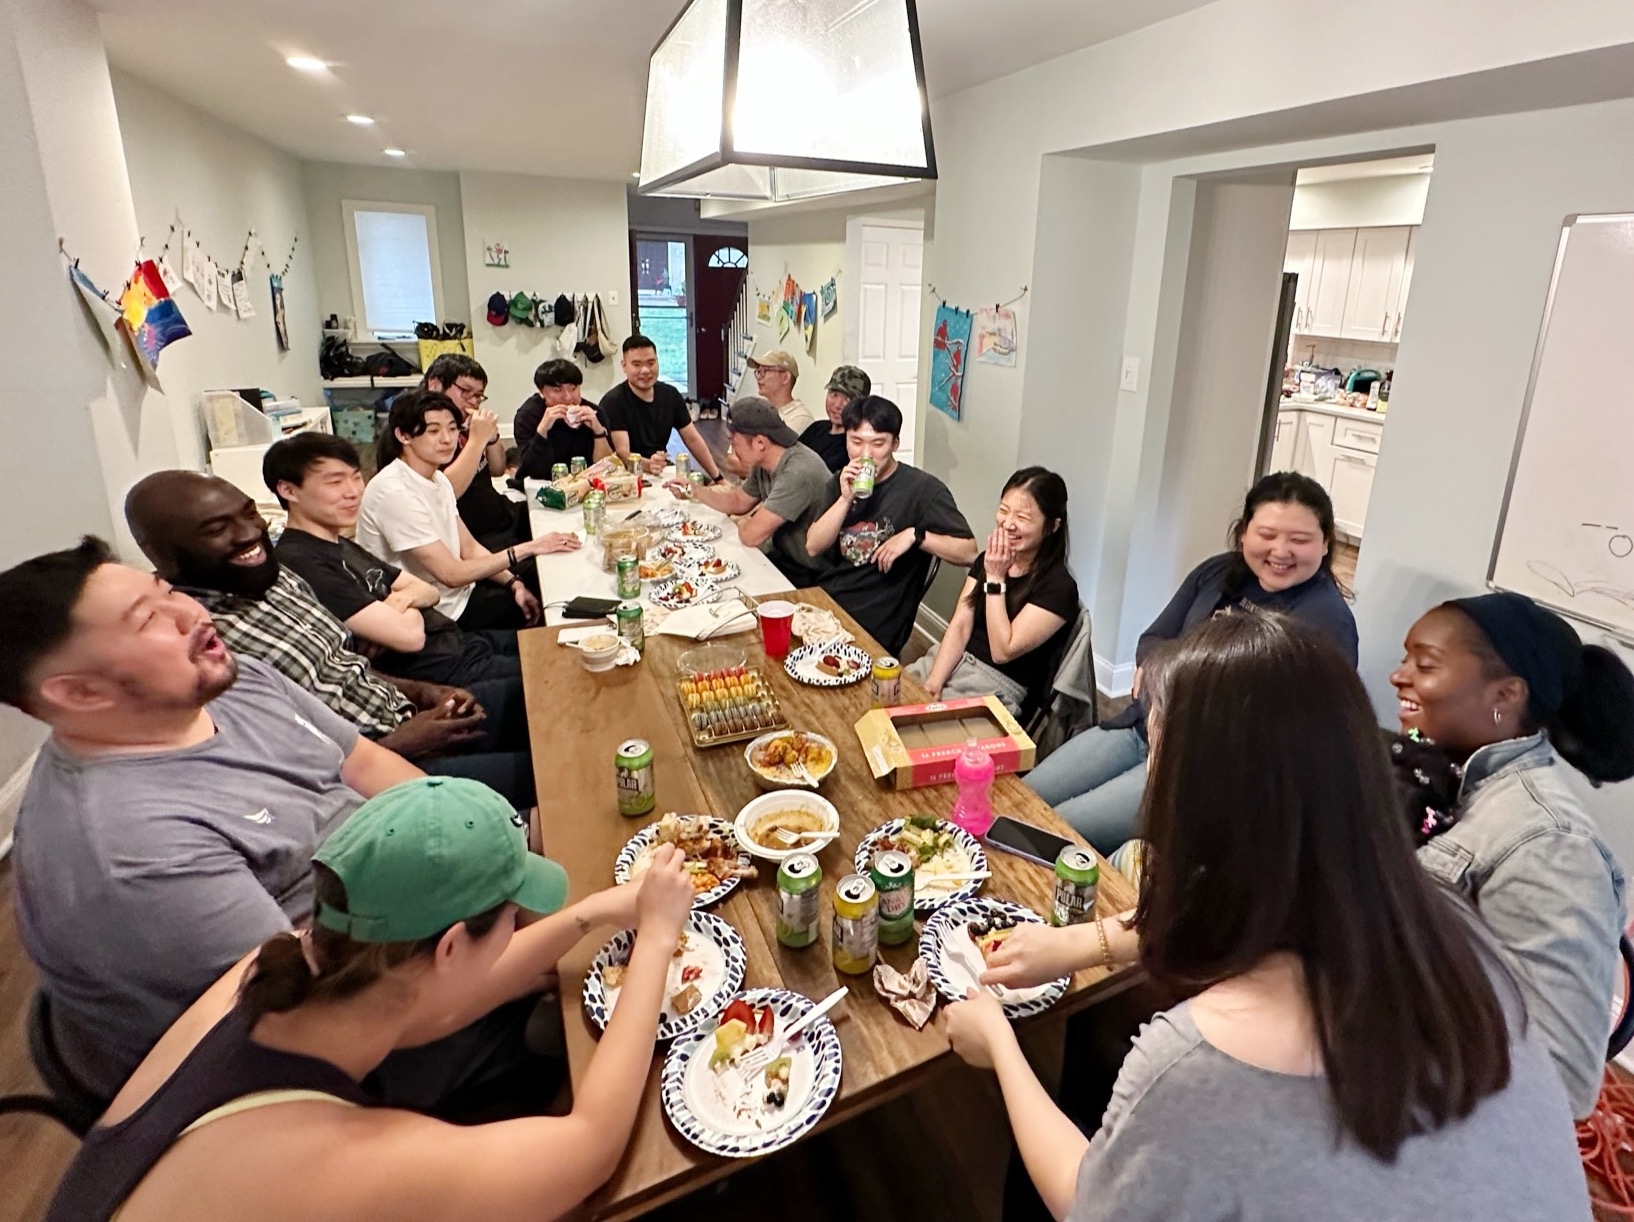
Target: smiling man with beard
(207, 537)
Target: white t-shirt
(402, 509)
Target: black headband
(1534, 643)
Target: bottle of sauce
(973, 771)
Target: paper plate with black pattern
(927, 902)
(690, 530)
(953, 920)
(813, 664)
(699, 1101)
(640, 846)
(711, 945)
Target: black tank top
(225, 1065)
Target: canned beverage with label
(1077, 877)
(576, 464)
(558, 470)
(631, 628)
(632, 773)
(863, 486)
(887, 683)
(698, 478)
(892, 876)
(595, 513)
(629, 577)
(683, 464)
(799, 902)
(856, 925)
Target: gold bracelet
(1106, 947)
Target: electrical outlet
(1130, 379)
(612, 297)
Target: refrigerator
(1273, 377)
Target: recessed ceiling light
(394, 152)
(360, 120)
(306, 63)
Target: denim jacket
(1529, 857)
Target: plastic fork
(767, 1053)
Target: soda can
(856, 925)
(629, 577)
(683, 464)
(576, 464)
(1077, 877)
(863, 486)
(887, 683)
(631, 627)
(892, 876)
(798, 900)
(595, 513)
(558, 470)
(632, 773)
(698, 477)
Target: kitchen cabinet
(1285, 441)
(1335, 249)
(1373, 297)
(1406, 282)
(1301, 260)
(1338, 451)
(1349, 483)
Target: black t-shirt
(561, 443)
(1054, 591)
(648, 424)
(347, 579)
(830, 446)
(493, 519)
(885, 603)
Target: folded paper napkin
(813, 624)
(705, 621)
(910, 996)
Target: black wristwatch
(919, 536)
(993, 587)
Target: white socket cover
(1130, 378)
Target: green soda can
(558, 470)
(629, 577)
(630, 626)
(683, 465)
(863, 486)
(595, 513)
(632, 774)
(576, 464)
(1077, 877)
(798, 900)
(892, 873)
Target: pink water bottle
(973, 808)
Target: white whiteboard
(1566, 533)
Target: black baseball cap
(754, 416)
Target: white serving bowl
(596, 656)
(768, 781)
(786, 799)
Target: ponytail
(1594, 727)
(279, 980)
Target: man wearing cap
(642, 411)
(775, 376)
(827, 437)
(786, 488)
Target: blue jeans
(1095, 782)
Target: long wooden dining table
(578, 719)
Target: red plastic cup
(776, 623)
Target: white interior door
(890, 276)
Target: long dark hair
(1593, 729)
(1278, 488)
(1273, 826)
(408, 414)
(1049, 493)
(282, 978)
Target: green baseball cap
(522, 310)
(429, 853)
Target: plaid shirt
(291, 630)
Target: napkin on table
(705, 621)
(910, 996)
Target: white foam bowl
(786, 799)
(599, 659)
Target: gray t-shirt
(1194, 1134)
(141, 878)
(797, 492)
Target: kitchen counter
(1332, 409)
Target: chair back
(1624, 1030)
(73, 1104)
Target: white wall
(1395, 199)
(565, 236)
(811, 248)
(327, 183)
(220, 183)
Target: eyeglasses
(762, 371)
(469, 395)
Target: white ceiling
(531, 86)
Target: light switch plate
(1130, 379)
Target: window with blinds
(396, 280)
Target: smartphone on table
(1026, 840)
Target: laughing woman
(1281, 559)
(1006, 638)
(1505, 692)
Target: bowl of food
(789, 759)
(599, 651)
(709, 659)
(778, 825)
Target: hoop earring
(1497, 717)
